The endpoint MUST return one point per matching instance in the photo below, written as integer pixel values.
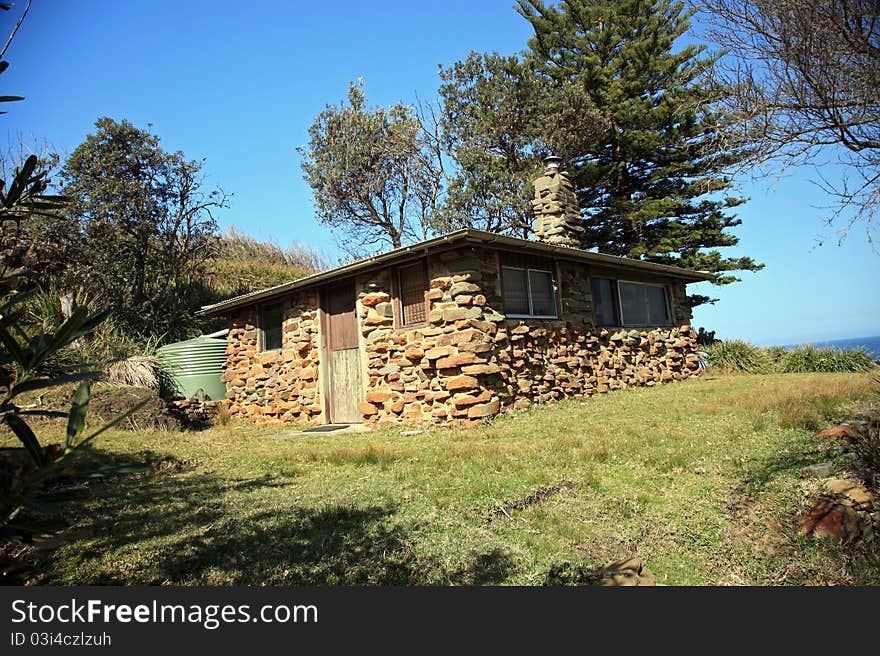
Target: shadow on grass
(764, 472)
(183, 527)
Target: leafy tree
(805, 76)
(490, 118)
(375, 173)
(652, 183)
(500, 120)
(146, 224)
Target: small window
(271, 318)
(529, 292)
(624, 303)
(412, 282)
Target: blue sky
(240, 83)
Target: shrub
(738, 355)
(135, 371)
(236, 245)
(867, 445)
(812, 359)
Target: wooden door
(343, 354)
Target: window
(527, 287)
(625, 303)
(271, 317)
(412, 282)
(604, 301)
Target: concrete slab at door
(343, 351)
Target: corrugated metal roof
(464, 235)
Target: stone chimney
(557, 215)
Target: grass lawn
(701, 480)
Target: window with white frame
(628, 303)
(527, 288)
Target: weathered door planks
(343, 351)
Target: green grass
(700, 479)
(739, 356)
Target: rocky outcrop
(844, 512)
(846, 509)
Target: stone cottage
(460, 327)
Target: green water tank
(194, 365)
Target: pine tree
(652, 184)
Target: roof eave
(317, 278)
(465, 234)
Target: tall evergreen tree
(652, 184)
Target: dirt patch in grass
(106, 403)
(757, 528)
(537, 497)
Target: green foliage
(499, 119)
(652, 183)
(374, 173)
(28, 364)
(737, 355)
(29, 361)
(243, 264)
(144, 226)
(236, 245)
(240, 264)
(813, 359)
(605, 85)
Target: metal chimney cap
(552, 161)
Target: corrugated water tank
(193, 365)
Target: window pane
(543, 298)
(633, 304)
(412, 294)
(516, 292)
(271, 317)
(603, 301)
(657, 309)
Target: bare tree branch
(15, 29)
(804, 83)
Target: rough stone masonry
(468, 361)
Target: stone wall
(280, 384)
(554, 360)
(467, 361)
(440, 371)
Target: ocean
(870, 344)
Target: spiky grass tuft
(137, 371)
(738, 356)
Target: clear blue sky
(239, 84)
